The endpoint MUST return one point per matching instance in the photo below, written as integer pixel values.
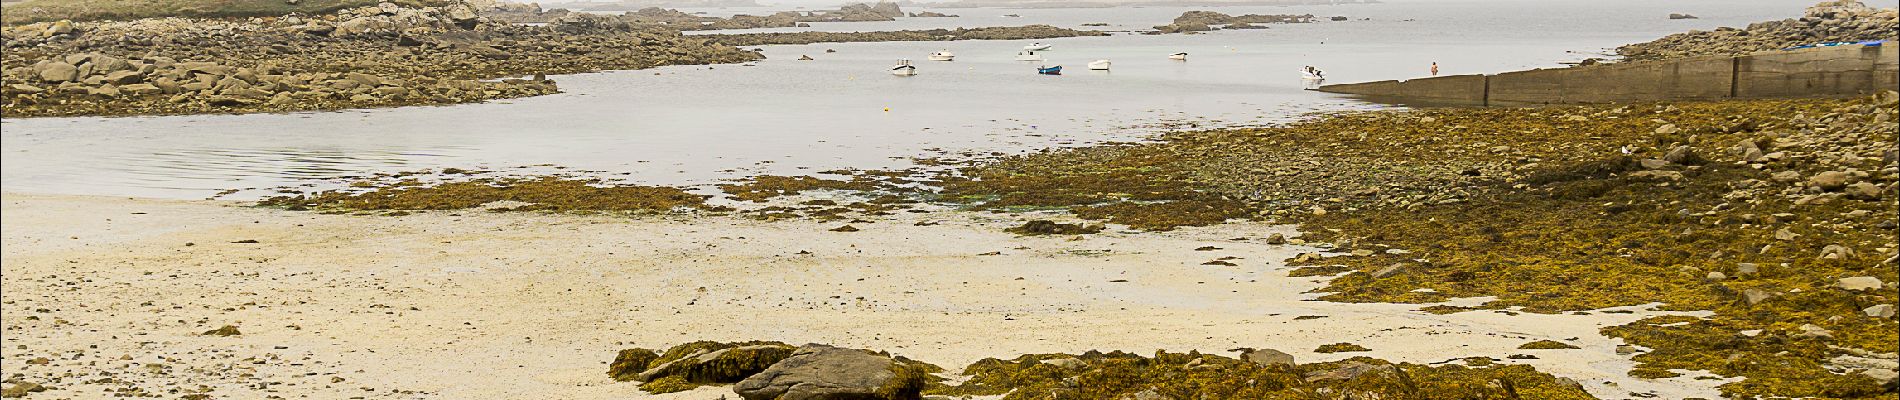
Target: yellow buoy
(887, 109)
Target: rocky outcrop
(1198, 21)
(991, 33)
(820, 372)
(1831, 21)
(366, 57)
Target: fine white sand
(518, 305)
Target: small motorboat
(1178, 56)
(903, 68)
(942, 56)
(1028, 56)
(1098, 65)
(1038, 46)
(749, 64)
(1048, 70)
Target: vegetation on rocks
(1199, 21)
(360, 57)
(1829, 21)
(31, 11)
(929, 35)
(524, 194)
(1192, 375)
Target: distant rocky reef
(1201, 21)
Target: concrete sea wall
(1815, 72)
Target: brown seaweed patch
(1193, 375)
(763, 187)
(1547, 345)
(538, 194)
(1341, 347)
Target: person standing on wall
(1434, 68)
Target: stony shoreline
(1777, 215)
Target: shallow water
(695, 125)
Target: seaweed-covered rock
(820, 372)
(630, 363)
(711, 362)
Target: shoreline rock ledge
(821, 372)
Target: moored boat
(943, 56)
(1038, 46)
(1048, 70)
(1098, 65)
(1178, 56)
(903, 68)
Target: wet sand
(475, 304)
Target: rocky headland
(1827, 22)
(381, 56)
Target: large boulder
(56, 71)
(820, 372)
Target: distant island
(636, 5)
(1121, 3)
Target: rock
(1715, 276)
(56, 71)
(124, 77)
(1882, 311)
(1756, 296)
(1747, 151)
(1067, 362)
(1651, 163)
(630, 363)
(1863, 191)
(1785, 176)
(1681, 16)
(1046, 227)
(1747, 269)
(1658, 175)
(1346, 372)
(805, 58)
(1830, 181)
(1835, 252)
(1276, 239)
(1814, 331)
(820, 372)
(227, 330)
(21, 389)
(1785, 234)
(1859, 283)
(1266, 357)
(1667, 129)
(719, 366)
(1390, 270)
(59, 28)
(1683, 155)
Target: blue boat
(1056, 70)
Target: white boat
(1028, 56)
(749, 64)
(1311, 79)
(903, 68)
(1037, 46)
(1098, 65)
(1178, 56)
(942, 56)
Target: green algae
(539, 194)
(670, 384)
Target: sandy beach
(115, 293)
